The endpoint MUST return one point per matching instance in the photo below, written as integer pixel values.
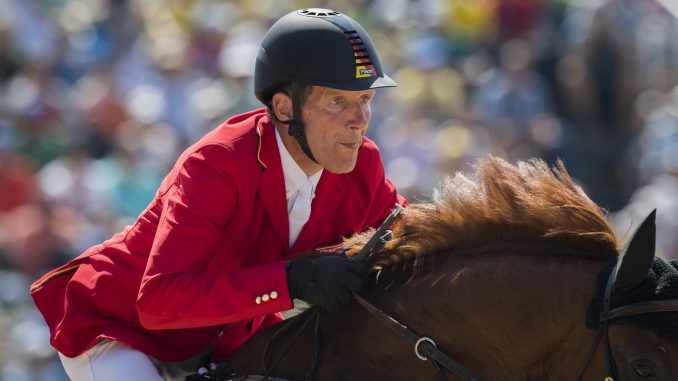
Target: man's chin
(341, 168)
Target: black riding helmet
(317, 47)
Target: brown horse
(500, 271)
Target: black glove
(328, 281)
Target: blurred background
(98, 98)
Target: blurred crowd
(98, 98)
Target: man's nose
(360, 116)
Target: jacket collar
(272, 183)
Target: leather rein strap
(424, 347)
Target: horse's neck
(508, 316)
(515, 310)
(257, 355)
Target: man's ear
(282, 106)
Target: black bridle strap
(423, 346)
(379, 237)
(313, 313)
(603, 334)
(605, 324)
(317, 344)
(589, 355)
(641, 308)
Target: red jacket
(214, 238)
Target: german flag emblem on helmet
(363, 62)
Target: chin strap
(296, 127)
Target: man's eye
(338, 101)
(365, 98)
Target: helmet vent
(318, 12)
(363, 62)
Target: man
(216, 255)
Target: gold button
(274, 295)
(258, 300)
(265, 297)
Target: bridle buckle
(416, 347)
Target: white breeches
(114, 361)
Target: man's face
(335, 122)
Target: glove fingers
(354, 283)
(344, 298)
(359, 269)
(331, 306)
(329, 282)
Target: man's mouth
(350, 145)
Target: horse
(511, 273)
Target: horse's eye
(643, 369)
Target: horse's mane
(501, 202)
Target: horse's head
(637, 300)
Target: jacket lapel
(328, 196)
(272, 184)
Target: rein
(424, 347)
(313, 313)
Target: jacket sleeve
(177, 290)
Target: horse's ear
(636, 259)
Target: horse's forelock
(501, 201)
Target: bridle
(426, 349)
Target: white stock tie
(301, 210)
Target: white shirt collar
(292, 172)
